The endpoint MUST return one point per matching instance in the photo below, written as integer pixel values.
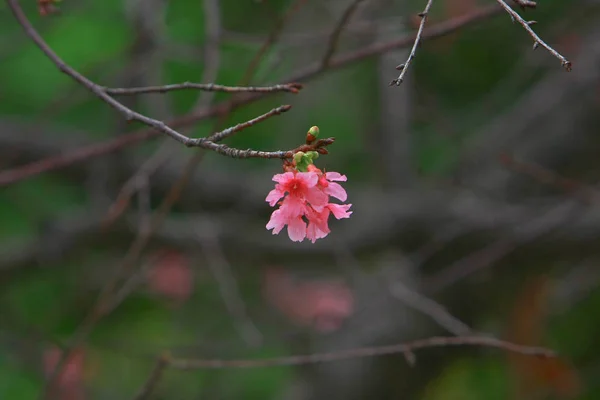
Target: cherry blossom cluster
(306, 191)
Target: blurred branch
(527, 26)
(227, 284)
(573, 187)
(155, 375)
(209, 87)
(96, 150)
(405, 348)
(404, 67)
(430, 308)
(271, 39)
(337, 31)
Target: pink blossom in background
(306, 199)
(171, 276)
(321, 305)
(69, 381)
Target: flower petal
(309, 178)
(293, 207)
(296, 229)
(274, 196)
(336, 190)
(282, 178)
(277, 222)
(335, 176)
(317, 198)
(313, 232)
(340, 211)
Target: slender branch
(155, 375)
(219, 136)
(337, 31)
(404, 67)
(271, 39)
(430, 308)
(405, 348)
(96, 150)
(228, 287)
(526, 3)
(208, 87)
(536, 39)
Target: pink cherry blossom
(306, 199)
(322, 305)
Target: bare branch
(228, 287)
(526, 3)
(208, 87)
(405, 348)
(404, 67)
(271, 39)
(155, 375)
(536, 39)
(337, 31)
(430, 308)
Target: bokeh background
(474, 190)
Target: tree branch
(404, 348)
(208, 87)
(536, 39)
(404, 67)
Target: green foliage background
(93, 37)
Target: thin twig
(155, 375)
(404, 67)
(228, 287)
(438, 341)
(209, 87)
(271, 39)
(430, 308)
(536, 39)
(580, 190)
(86, 153)
(337, 32)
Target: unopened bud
(312, 134)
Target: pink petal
(282, 178)
(274, 196)
(335, 176)
(277, 222)
(309, 178)
(317, 198)
(313, 232)
(296, 229)
(336, 190)
(293, 207)
(340, 211)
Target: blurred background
(473, 184)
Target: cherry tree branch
(404, 67)
(527, 26)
